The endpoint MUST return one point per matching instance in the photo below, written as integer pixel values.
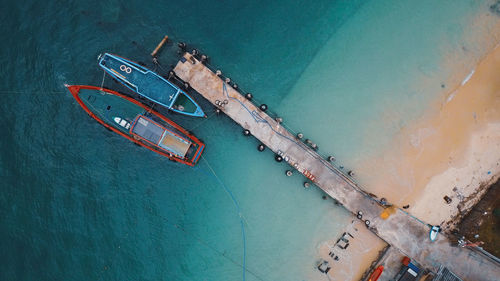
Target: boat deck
(135, 121)
(147, 84)
(108, 106)
(398, 228)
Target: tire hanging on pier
(359, 215)
(278, 158)
(204, 59)
(182, 46)
(171, 74)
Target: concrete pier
(396, 227)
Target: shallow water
(362, 90)
(79, 202)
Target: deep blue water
(80, 203)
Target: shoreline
(464, 184)
(453, 150)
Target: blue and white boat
(434, 232)
(149, 85)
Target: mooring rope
(159, 66)
(198, 239)
(202, 122)
(103, 76)
(29, 92)
(235, 202)
(201, 241)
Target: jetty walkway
(394, 226)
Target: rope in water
(228, 191)
(201, 241)
(29, 92)
(52, 92)
(159, 66)
(103, 76)
(198, 239)
(202, 122)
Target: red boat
(138, 123)
(376, 273)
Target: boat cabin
(157, 135)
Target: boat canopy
(160, 136)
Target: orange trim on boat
(116, 72)
(159, 125)
(74, 89)
(155, 144)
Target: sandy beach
(350, 255)
(452, 152)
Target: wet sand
(453, 150)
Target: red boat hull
(74, 89)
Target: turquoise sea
(80, 203)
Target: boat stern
(197, 154)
